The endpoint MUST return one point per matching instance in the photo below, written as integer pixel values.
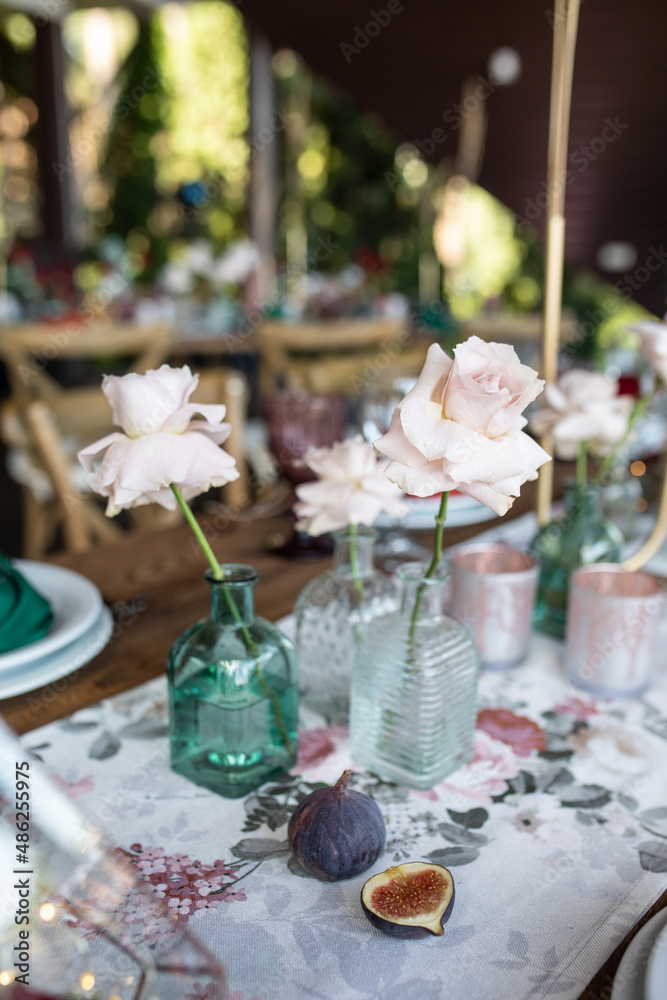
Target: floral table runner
(555, 832)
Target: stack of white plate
(642, 974)
(82, 626)
(461, 510)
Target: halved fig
(410, 900)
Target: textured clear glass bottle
(332, 612)
(233, 693)
(578, 537)
(414, 688)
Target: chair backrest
(336, 357)
(40, 431)
(52, 430)
(223, 385)
(27, 348)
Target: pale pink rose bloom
(583, 407)
(162, 443)
(461, 426)
(351, 488)
(653, 343)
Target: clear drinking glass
(233, 693)
(414, 688)
(332, 612)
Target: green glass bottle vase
(233, 693)
(578, 537)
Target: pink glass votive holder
(493, 594)
(613, 619)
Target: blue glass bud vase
(233, 693)
(578, 537)
(414, 688)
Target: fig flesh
(409, 901)
(336, 833)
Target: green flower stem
(638, 410)
(435, 562)
(216, 568)
(582, 463)
(354, 562)
(356, 579)
(251, 645)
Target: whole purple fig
(336, 833)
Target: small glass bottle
(578, 537)
(414, 688)
(233, 693)
(332, 611)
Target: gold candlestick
(566, 21)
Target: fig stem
(343, 781)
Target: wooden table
(155, 586)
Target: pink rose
(583, 407)
(653, 344)
(162, 443)
(460, 427)
(351, 488)
(522, 734)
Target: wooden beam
(55, 161)
(265, 127)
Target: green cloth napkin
(25, 615)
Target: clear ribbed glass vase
(332, 612)
(414, 688)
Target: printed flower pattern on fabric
(187, 886)
(522, 734)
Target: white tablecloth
(556, 834)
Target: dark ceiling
(411, 71)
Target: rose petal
(433, 378)
(140, 470)
(142, 404)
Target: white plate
(461, 510)
(630, 978)
(53, 666)
(655, 984)
(76, 604)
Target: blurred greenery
(352, 190)
(129, 159)
(174, 166)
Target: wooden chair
(340, 356)
(27, 348)
(50, 432)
